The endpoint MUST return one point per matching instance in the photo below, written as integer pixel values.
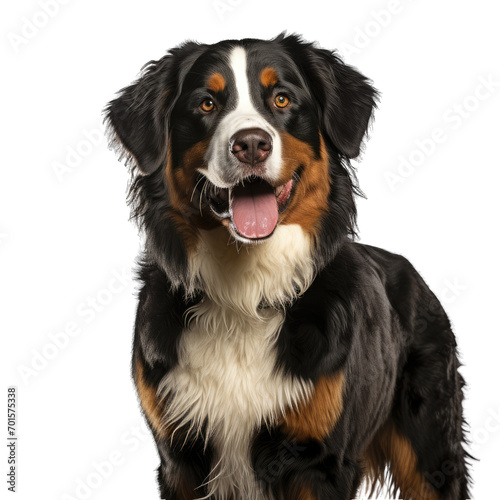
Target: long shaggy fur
(293, 365)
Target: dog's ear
(138, 118)
(345, 98)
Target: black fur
(368, 312)
(365, 313)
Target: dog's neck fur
(243, 279)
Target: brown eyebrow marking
(268, 77)
(216, 82)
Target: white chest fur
(227, 372)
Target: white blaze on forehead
(243, 116)
(238, 63)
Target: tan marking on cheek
(186, 230)
(216, 82)
(391, 447)
(181, 183)
(310, 199)
(150, 403)
(180, 180)
(316, 418)
(268, 77)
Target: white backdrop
(430, 171)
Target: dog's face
(233, 124)
(248, 134)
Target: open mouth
(251, 208)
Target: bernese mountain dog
(275, 357)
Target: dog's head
(246, 134)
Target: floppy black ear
(139, 116)
(345, 97)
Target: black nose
(251, 145)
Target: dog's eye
(207, 105)
(281, 101)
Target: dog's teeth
(279, 189)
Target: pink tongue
(255, 210)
